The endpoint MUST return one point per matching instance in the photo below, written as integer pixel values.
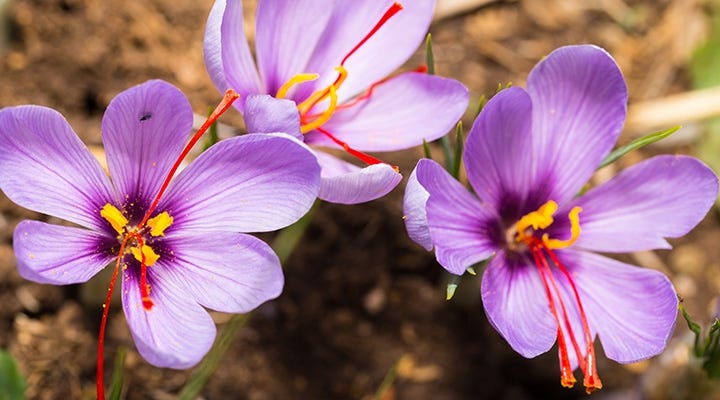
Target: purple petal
(384, 52)
(144, 131)
(227, 54)
(498, 151)
(57, 254)
(287, 33)
(229, 272)
(415, 212)
(516, 305)
(579, 102)
(346, 183)
(177, 332)
(46, 168)
(460, 224)
(266, 114)
(249, 183)
(632, 309)
(662, 197)
(399, 114)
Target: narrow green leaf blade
(459, 141)
(426, 150)
(636, 144)
(118, 374)
(12, 384)
(695, 328)
(429, 57)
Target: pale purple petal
(227, 53)
(399, 114)
(663, 197)
(345, 183)
(212, 45)
(249, 183)
(516, 305)
(57, 254)
(461, 226)
(415, 212)
(266, 114)
(46, 168)
(498, 152)
(579, 102)
(177, 332)
(386, 50)
(229, 272)
(144, 131)
(287, 32)
(632, 309)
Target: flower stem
(204, 371)
(284, 244)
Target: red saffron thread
(225, 104)
(391, 11)
(586, 360)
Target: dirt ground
(360, 297)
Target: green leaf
(118, 374)
(636, 144)
(457, 159)
(429, 57)
(481, 105)
(452, 286)
(202, 374)
(695, 328)
(712, 351)
(426, 150)
(287, 239)
(12, 384)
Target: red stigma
(147, 303)
(394, 8)
(586, 357)
(314, 121)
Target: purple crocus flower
(320, 75)
(187, 254)
(527, 157)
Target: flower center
(544, 257)
(311, 120)
(134, 240)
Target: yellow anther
(540, 219)
(543, 218)
(295, 80)
(325, 116)
(114, 217)
(574, 217)
(320, 95)
(159, 223)
(151, 256)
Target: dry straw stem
(682, 108)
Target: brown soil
(360, 296)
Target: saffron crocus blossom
(189, 253)
(321, 75)
(528, 156)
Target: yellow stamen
(151, 256)
(159, 223)
(543, 218)
(540, 219)
(574, 217)
(320, 95)
(325, 116)
(295, 80)
(114, 217)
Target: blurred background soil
(360, 298)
